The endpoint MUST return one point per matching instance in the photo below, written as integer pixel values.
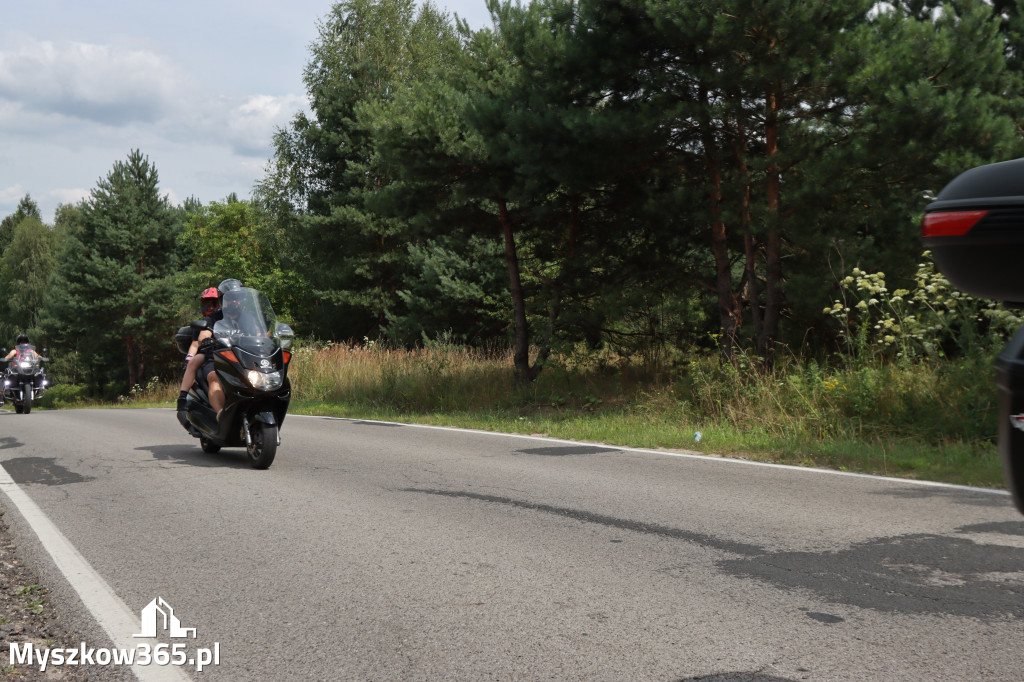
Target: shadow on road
(737, 677)
(981, 498)
(569, 450)
(42, 471)
(193, 455)
(975, 573)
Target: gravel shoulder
(29, 614)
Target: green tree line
(627, 174)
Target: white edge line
(105, 606)
(670, 453)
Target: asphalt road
(371, 551)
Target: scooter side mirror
(199, 324)
(285, 335)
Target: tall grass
(932, 401)
(375, 376)
(928, 419)
(931, 418)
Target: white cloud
(239, 125)
(251, 124)
(69, 110)
(172, 197)
(11, 195)
(83, 85)
(101, 83)
(68, 196)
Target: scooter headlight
(270, 381)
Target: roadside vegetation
(892, 402)
(923, 420)
(932, 420)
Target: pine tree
(114, 297)
(324, 166)
(519, 143)
(27, 208)
(805, 128)
(933, 95)
(25, 268)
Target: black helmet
(233, 302)
(22, 339)
(229, 285)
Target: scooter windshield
(248, 320)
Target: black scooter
(250, 353)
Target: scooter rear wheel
(19, 408)
(209, 447)
(263, 447)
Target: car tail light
(950, 223)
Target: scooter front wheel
(263, 445)
(209, 447)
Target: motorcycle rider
(235, 317)
(209, 304)
(24, 349)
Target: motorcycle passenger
(231, 307)
(209, 304)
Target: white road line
(670, 453)
(105, 606)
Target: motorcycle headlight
(25, 364)
(270, 381)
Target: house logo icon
(158, 615)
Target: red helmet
(208, 300)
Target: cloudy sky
(196, 85)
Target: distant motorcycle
(25, 381)
(250, 356)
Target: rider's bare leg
(216, 392)
(190, 372)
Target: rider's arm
(205, 341)
(194, 348)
